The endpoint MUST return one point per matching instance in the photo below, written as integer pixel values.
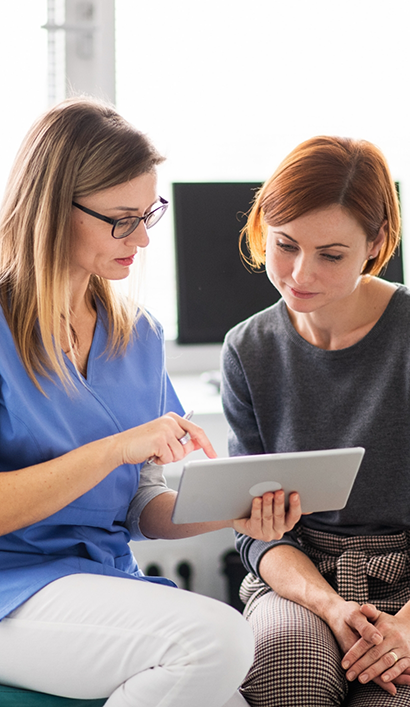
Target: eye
(126, 222)
(287, 247)
(125, 226)
(332, 258)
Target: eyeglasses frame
(113, 221)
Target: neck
(80, 300)
(347, 321)
(82, 320)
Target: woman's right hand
(33, 493)
(160, 440)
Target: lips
(302, 295)
(125, 261)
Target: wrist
(113, 450)
(330, 608)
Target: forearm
(268, 519)
(36, 492)
(292, 575)
(155, 520)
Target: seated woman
(328, 366)
(84, 401)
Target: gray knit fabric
(281, 394)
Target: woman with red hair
(328, 366)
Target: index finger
(369, 637)
(198, 439)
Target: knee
(295, 664)
(230, 639)
(241, 640)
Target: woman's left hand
(388, 663)
(269, 520)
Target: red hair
(321, 172)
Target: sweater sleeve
(244, 438)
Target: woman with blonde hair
(328, 366)
(85, 401)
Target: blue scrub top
(88, 535)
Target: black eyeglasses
(122, 227)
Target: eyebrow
(319, 247)
(131, 208)
(124, 208)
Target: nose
(139, 237)
(303, 270)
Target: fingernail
(364, 678)
(351, 675)
(386, 678)
(345, 664)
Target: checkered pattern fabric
(297, 659)
(365, 568)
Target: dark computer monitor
(215, 291)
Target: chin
(114, 275)
(301, 307)
(304, 306)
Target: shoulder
(147, 340)
(267, 324)
(402, 294)
(6, 337)
(145, 325)
(255, 342)
(397, 311)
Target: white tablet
(221, 489)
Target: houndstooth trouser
(297, 660)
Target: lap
(83, 635)
(298, 661)
(372, 695)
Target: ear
(375, 246)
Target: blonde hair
(321, 172)
(77, 148)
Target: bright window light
(23, 78)
(227, 89)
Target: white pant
(141, 644)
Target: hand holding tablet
(221, 489)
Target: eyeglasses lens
(155, 215)
(125, 226)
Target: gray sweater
(281, 394)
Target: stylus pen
(184, 439)
(186, 436)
